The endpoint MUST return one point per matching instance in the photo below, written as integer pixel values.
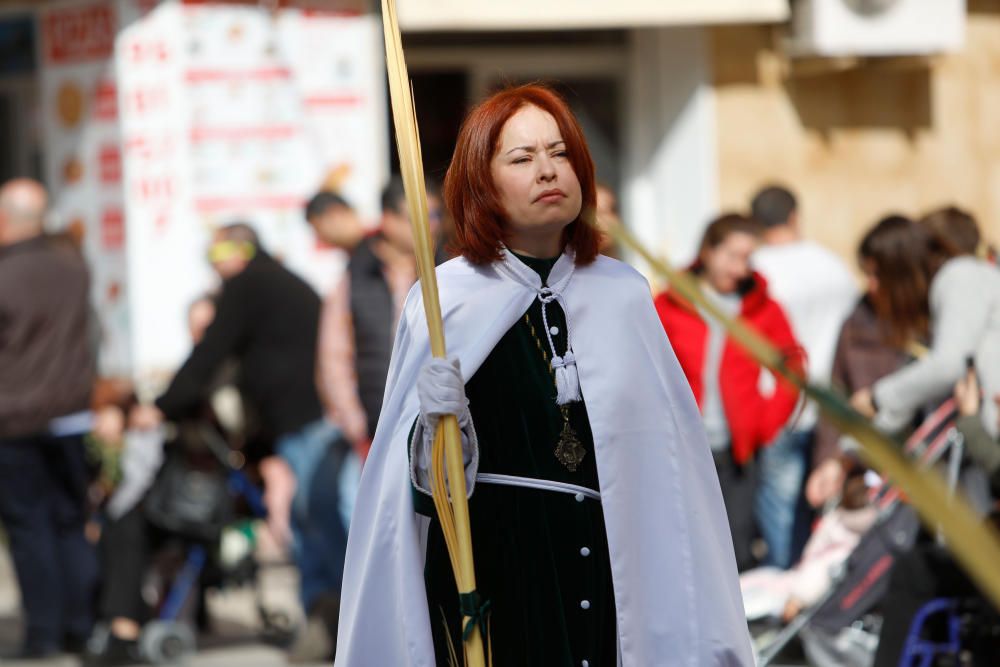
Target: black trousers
(130, 546)
(43, 490)
(739, 487)
(126, 547)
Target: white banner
(165, 246)
(255, 112)
(83, 164)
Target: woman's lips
(551, 196)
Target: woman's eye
(522, 160)
(559, 154)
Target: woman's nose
(546, 168)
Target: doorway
(19, 95)
(588, 69)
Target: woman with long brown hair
(964, 317)
(964, 325)
(885, 331)
(598, 529)
(894, 258)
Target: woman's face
(728, 264)
(539, 190)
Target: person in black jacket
(268, 320)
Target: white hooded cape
(676, 590)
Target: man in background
(47, 369)
(361, 313)
(335, 221)
(817, 292)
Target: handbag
(190, 500)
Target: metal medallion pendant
(569, 451)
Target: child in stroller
(193, 524)
(841, 626)
(774, 593)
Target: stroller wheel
(166, 642)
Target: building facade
(689, 105)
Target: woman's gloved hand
(441, 391)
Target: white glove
(441, 391)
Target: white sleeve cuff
(420, 454)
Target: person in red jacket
(743, 407)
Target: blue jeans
(315, 454)
(43, 506)
(782, 514)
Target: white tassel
(567, 379)
(573, 376)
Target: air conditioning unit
(876, 27)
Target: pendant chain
(569, 450)
(538, 344)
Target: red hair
(471, 195)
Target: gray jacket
(965, 321)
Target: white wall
(245, 127)
(457, 15)
(670, 187)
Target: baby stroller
(972, 634)
(842, 628)
(202, 505)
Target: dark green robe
(541, 556)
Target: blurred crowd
(925, 325)
(269, 419)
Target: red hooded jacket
(754, 419)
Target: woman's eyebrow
(530, 149)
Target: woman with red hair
(598, 528)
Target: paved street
(235, 641)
